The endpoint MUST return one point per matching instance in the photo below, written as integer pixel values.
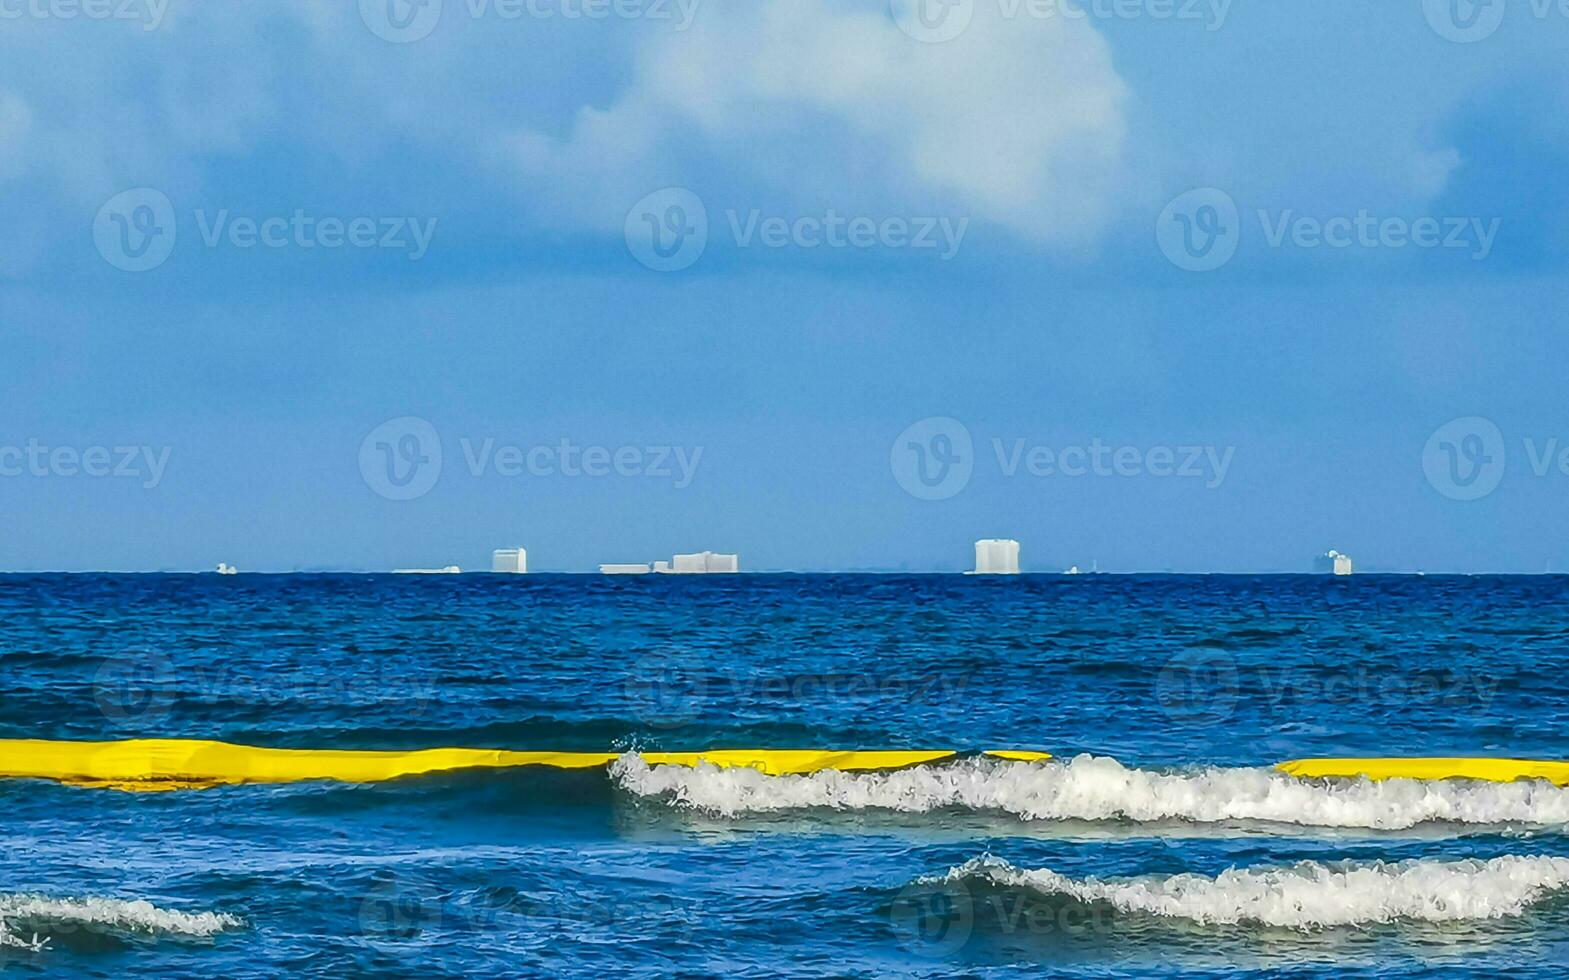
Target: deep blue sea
(1158, 841)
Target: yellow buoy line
(160, 763)
(163, 764)
(1491, 770)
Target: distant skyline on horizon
(479, 568)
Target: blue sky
(1374, 199)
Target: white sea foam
(1307, 895)
(135, 916)
(1092, 788)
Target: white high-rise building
(996, 556)
(626, 568)
(1332, 562)
(704, 562)
(689, 564)
(513, 560)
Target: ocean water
(1158, 841)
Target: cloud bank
(1017, 121)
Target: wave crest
(1307, 895)
(1098, 789)
(134, 915)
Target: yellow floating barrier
(162, 764)
(1017, 755)
(1493, 770)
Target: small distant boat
(449, 570)
(224, 568)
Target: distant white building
(704, 562)
(1332, 562)
(996, 556)
(634, 568)
(513, 560)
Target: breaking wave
(1098, 789)
(25, 919)
(1307, 895)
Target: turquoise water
(1159, 840)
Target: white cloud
(797, 103)
(1017, 121)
